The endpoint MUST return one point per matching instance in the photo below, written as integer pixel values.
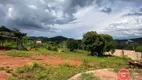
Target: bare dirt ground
(20, 61)
(129, 53)
(4, 75)
(13, 62)
(106, 74)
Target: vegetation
(38, 71)
(16, 53)
(139, 49)
(15, 35)
(122, 44)
(72, 44)
(109, 43)
(52, 46)
(94, 43)
(85, 76)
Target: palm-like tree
(14, 34)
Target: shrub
(139, 49)
(52, 48)
(72, 44)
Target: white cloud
(32, 6)
(73, 18)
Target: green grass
(85, 76)
(63, 71)
(88, 61)
(41, 72)
(18, 53)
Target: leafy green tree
(139, 49)
(94, 42)
(109, 43)
(80, 46)
(72, 44)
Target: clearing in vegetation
(43, 64)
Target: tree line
(96, 43)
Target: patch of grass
(28, 72)
(85, 76)
(36, 58)
(18, 53)
(63, 71)
(11, 78)
(39, 72)
(139, 71)
(116, 69)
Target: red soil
(3, 75)
(55, 60)
(13, 62)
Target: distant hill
(133, 39)
(56, 39)
(122, 44)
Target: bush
(72, 44)
(52, 48)
(139, 49)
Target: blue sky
(121, 19)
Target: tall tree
(19, 36)
(94, 43)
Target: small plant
(52, 48)
(7, 67)
(85, 62)
(116, 69)
(139, 71)
(2, 68)
(8, 70)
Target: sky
(121, 19)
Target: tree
(80, 46)
(19, 36)
(109, 43)
(139, 49)
(72, 44)
(94, 42)
(15, 34)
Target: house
(38, 42)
